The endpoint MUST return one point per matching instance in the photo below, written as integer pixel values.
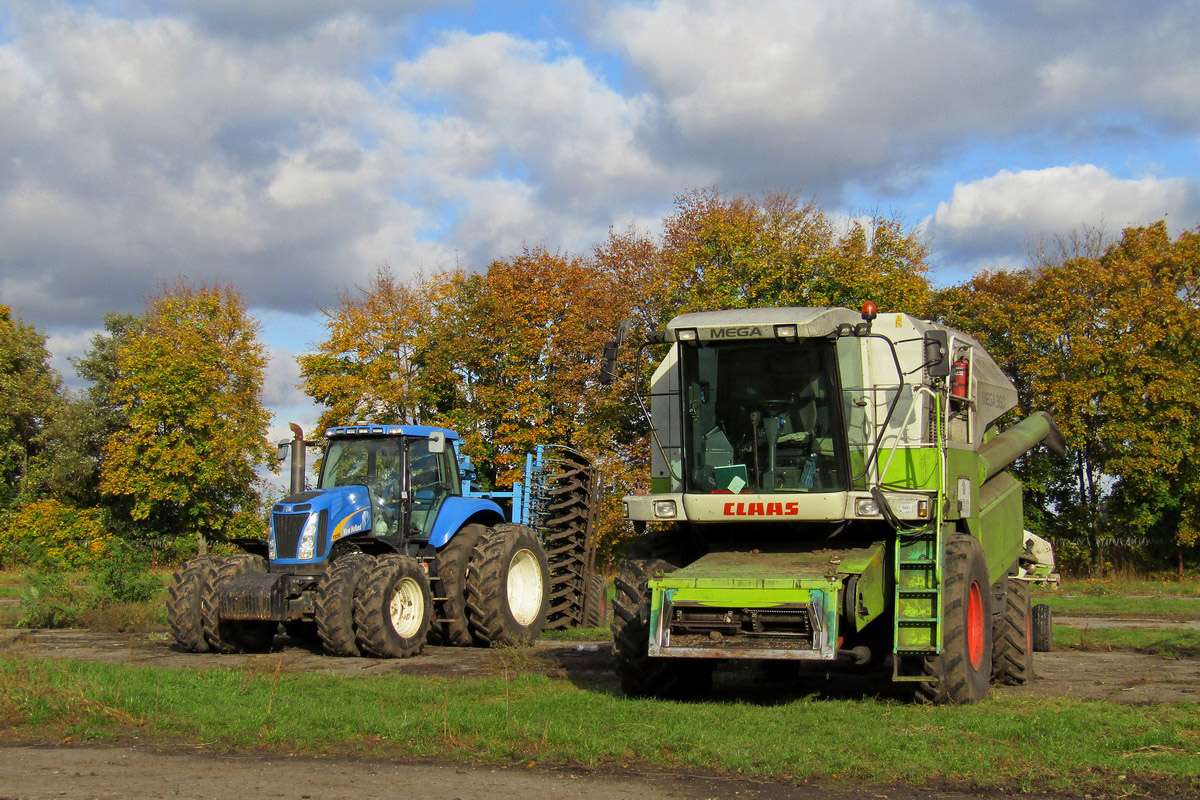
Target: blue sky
(291, 146)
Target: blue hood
(334, 513)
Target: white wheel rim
(524, 587)
(407, 608)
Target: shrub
(49, 601)
(52, 536)
(123, 576)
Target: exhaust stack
(297, 474)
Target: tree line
(163, 445)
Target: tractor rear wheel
(962, 671)
(185, 602)
(595, 602)
(235, 635)
(394, 608)
(1012, 634)
(1043, 634)
(507, 583)
(452, 562)
(334, 608)
(641, 675)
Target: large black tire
(1012, 634)
(640, 674)
(961, 673)
(235, 635)
(507, 586)
(334, 607)
(452, 562)
(566, 534)
(185, 602)
(393, 608)
(595, 602)
(1043, 633)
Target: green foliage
(48, 601)
(50, 535)
(1104, 338)
(29, 394)
(189, 384)
(123, 576)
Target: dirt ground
(39, 772)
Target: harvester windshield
(762, 417)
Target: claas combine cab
(827, 486)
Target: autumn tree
(364, 370)
(188, 385)
(1108, 345)
(29, 396)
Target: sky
(290, 147)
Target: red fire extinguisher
(958, 378)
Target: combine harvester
(393, 548)
(830, 487)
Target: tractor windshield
(762, 417)
(372, 461)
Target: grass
(1080, 746)
(1167, 642)
(1117, 597)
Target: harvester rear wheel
(393, 608)
(507, 583)
(642, 675)
(595, 602)
(1043, 634)
(185, 610)
(334, 609)
(234, 635)
(962, 671)
(452, 562)
(1012, 634)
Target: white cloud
(994, 217)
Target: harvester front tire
(595, 602)
(1012, 635)
(508, 583)
(334, 607)
(235, 635)
(961, 673)
(1043, 634)
(640, 674)
(185, 603)
(393, 608)
(452, 562)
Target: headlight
(866, 507)
(665, 509)
(271, 546)
(308, 539)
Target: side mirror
(437, 442)
(282, 450)
(937, 348)
(608, 364)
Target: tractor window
(432, 478)
(762, 417)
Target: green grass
(1168, 642)
(1009, 743)
(1156, 598)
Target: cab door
(432, 477)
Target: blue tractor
(393, 548)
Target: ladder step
(916, 622)
(918, 592)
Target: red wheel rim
(975, 626)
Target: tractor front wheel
(507, 586)
(641, 675)
(235, 635)
(962, 671)
(1043, 633)
(595, 602)
(334, 608)
(185, 603)
(394, 608)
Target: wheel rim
(524, 587)
(406, 608)
(975, 626)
